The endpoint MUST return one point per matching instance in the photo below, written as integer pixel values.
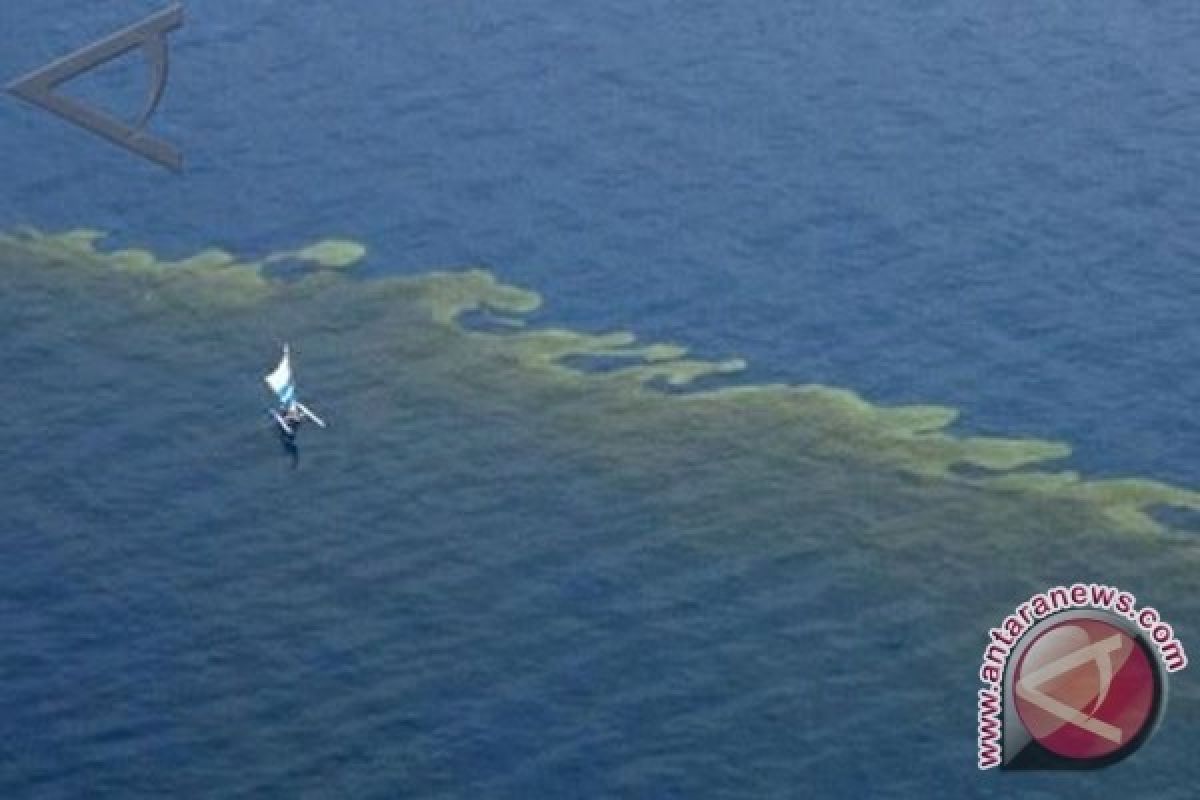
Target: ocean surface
(703, 382)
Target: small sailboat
(290, 412)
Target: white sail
(281, 383)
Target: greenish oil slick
(622, 416)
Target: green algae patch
(211, 279)
(448, 295)
(832, 422)
(328, 254)
(643, 418)
(1127, 502)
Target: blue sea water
(989, 208)
(983, 207)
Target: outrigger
(291, 412)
